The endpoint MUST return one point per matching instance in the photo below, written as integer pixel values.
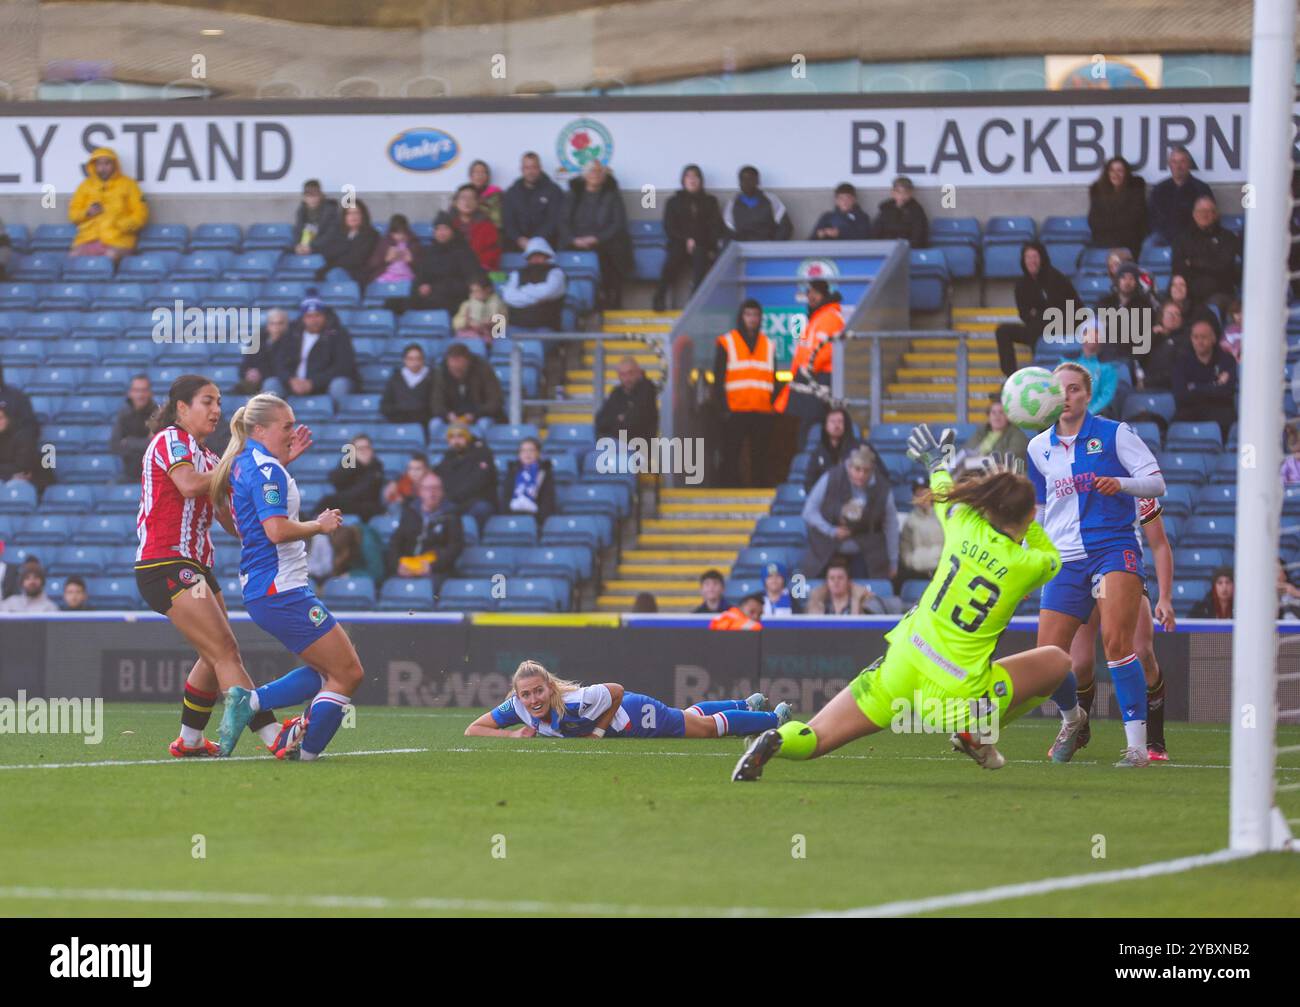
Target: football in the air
(1032, 398)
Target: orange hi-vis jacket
(751, 375)
(734, 618)
(814, 347)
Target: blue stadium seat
(510, 529)
(374, 377)
(1002, 261)
(18, 295)
(299, 267)
(1177, 501)
(779, 530)
(790, 498)
(460, 594)
(1065, 254)
(1186, 593)
(78, 560)
(376, 322)
(64, 296)
(579, 264)
(1186, 436)
(17, 497)
(258, 266)
(608, 499)
(98, 324)
(1215, 531)
(427, 323)
(166, 293)
(52, 237)
(929, 279)
(751, 561)
(113, 594)
(1155, 257)
(505, 437)
(1153, 403)
(271, 237)
(229, 293)
(47, 325)
(73, 353)
(204, 267)
(349, 593)
(579, 437)
(1092, 290)
(1093, 263)
(19, 236)
(359, 408)
(72, 438)
(87, 408)
(912, 591)
(118, 295)
(378, 293)
(147, 267)
(1201, 561)
(56, 381)
(1234, 222)
(216, 237)
(535, 594)
(1065, 228)
(1184, 467)
(90, 468)
(135, 354)
(25, 351)
(38, 267)
(163, 238)
(487, 560)
(569, 563)
(400, 594)
(1217, 500)
(1225, 468)
(87, 269)
(120, 498)
(737, 588)
(341, 294)
(574, 529)
(47, 529)
(564, 468)
(46, 407)
(1015, 229)
(1149, 431)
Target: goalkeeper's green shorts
(894, 693)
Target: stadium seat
(609, 499)
(52, 237)
(216, 237)
(259, 265)
(287, 294)
(119, 498)
(505, 437)
(1217, 500)
(912, 591)
(790, 498)
(579, 437)
(1188, 436)
(1201, 561)
(64, 296)
(17, 497)
(98, 324)
(349, 593)
(118, 295)
(1001, 261)
(1177, 501)
(1092, 289)
(163, 238)
(929, 279)
(460, 594)
(1214, 532)
(430, 324)
(1186, 593)
(1065, 253)
(737, 588)
(779, 531)
(406, 594)
(229, 294)
(20, 296)
(113, 594)
(535, 594)
(751, 560)
(341, 294)
(569, 563)
(376, 322)
(575, 529)
(271, 237)
(78, 560)
(87, 269)
(19, 236)
(1184, 467)
(24, 351)
(97, 468)
(147, 267)
(107, 529)
(46, 529)
(510, 529)
(377, 294)
(487, 560)
(299, 267)
(1139, 404)
(72, 353)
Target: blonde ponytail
(559, 686)
(259, 411)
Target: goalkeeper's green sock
(798, 741)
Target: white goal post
(1255, 822)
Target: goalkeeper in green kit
(940, 652)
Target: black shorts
(160, 581)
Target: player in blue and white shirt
(556, 708)
(273, 572)
(1089, 475)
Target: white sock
(268, 733)
(191, 736)
(1135, 731)
(253, 702)
(1072, 716)
(306, 756)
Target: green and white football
(1033, 399)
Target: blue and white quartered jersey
(1080, 521)
(260, 488)
(582, 708)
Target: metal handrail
(875, 401)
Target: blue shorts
(296, 618)
(651, 718)
(1071, 590)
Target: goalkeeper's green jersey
(982, 577)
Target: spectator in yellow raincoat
(107, 208)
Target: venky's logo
(423, 149)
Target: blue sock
(1130, 687)
(708, 709)
(296, 687)
(324, 719)
(744, 722)
(1066, 695)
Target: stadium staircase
(578, 377)
(928, 371)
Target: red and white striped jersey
(168, 525)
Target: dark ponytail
(183, 389)
(1004, 499)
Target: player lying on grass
(1084, 648)
(940, 652)
(556, 708)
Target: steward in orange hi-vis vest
(744, 382)
(808, 393)
(734, 618)
(750, 372)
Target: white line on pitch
(175, 761)
(1000, 893)
(374, 902)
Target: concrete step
(692, 542)
(656, 586)
(936, 372)
(623, 603)
(671, 557)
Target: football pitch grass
(424, 821)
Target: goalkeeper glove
(933, 454)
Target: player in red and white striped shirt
(173, 563)
(1083, 650)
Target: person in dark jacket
(1040, 288)
(596, 221)
(837, 441)
(395, 254)
(1205, 378)
(350, 246)
(429, 537)
(131, 434)
(314, 357)
(469, 474)
(753, 214)
(631, 406)
(443, 271)
(1206, 253)
(1129, 296)
(529, 484)
(847, 222)
(465, 388)
(1117, 208)
(358, 486)
(317, 215)
(1169, 337)
(1170, 212)
(406, 396)
(533, 207)
(255, 368)
(851, 510)
(535, 292)
(20, 455)
(14, 401)
(693, 224)
(901, 217)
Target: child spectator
(902, 217)
(395, 254)
(74, 595)
(920, 543)
(529, 485)
(482, 315)
(711, 601)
